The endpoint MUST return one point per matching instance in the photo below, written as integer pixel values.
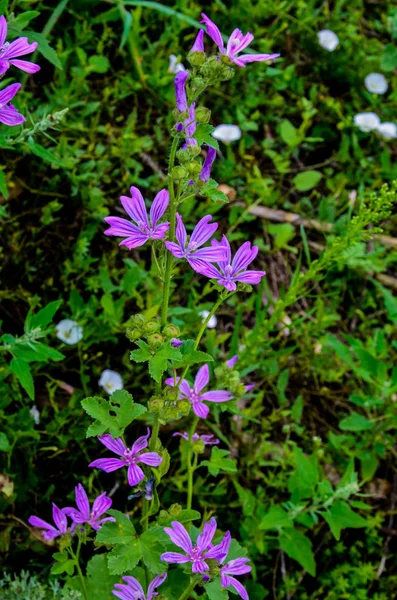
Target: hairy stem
(155, 433)
(79, 571)
(190, 467)
(185, 595)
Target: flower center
(4, 48)
(192, 246)
(129, 456)
(144, 227)
(194, 396)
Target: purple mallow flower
(10, 51)
(180, 90)
(208, 440)
(8, 113)
(198, 45)
(189, 124)
(84, 514)
(197, 257)
(132, 589)
(129, 457)
(190, 127)
(197, 554)
(194, 394)
(207, 165)
(144, 228)
(238, 566)
(50, 532)
(228, 271)
(236, 43)
(176, 343)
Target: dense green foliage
(305, 476)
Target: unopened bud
(156, 404)
(183, 407)
(133, 334)
(152, 327)
(198, 447)
(171, 331)
(203, 115)
(178, 173)
(183, 156)
(194, 168)
(175, 510)
(240, 389)
(196, 59)
(155, 340)
(171, 393)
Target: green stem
(159, 269)
(169, 257)
(145, 517)
(155, 433)
(190, 468)
(79, 571)
(185, 595)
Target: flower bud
(152, 327)
(171, 331)
(178, 173)
(183, 155)
(133, 334)
(226, 74)
(156, 404)
(194, 168)
(197, 83)
(240, 389)
(194, 150)
(175, 510)
(196, 59)
(203, 115)
(219, 372)
(183, 407)
(171, 393)
(155, 340)
(198, 447)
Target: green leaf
(64, 564)
(3, 185)
(44, 48)
(203, 135)
(297, 409)
(152, 544)
(298, 547)
(214, 590)
(184, 516)
(23, 19)
(210, 190)
(341, 516)
(355, 422)
(21, 370)
(276, 517)
(4, 443)
(160, 361)
(114, 414)
(307, 180)
(121, 531)
(126, 28)
(43, 153)
(141, 355)
(190, 356)
(303, 482)
(289, 134)
(44, 316)
(388, 61)
(176, 583)
(99, 580)
(124, 557)
(218, 462)
(98, 64)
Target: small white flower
(69, 331)
(227, 133)
(388, 130)
(34, 413)
(175, 66)
(367, 121)
(212, 323)
(376, 83)
(328, 39)
(110, 381)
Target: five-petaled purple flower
(10, 51)
(208, 440)
(133, 590)
(197, 257)
(197, 554)
(194, 394)
(236, 43)
(238, 566)
(83, 514)
(50, 532)
(129, 457)
(230, 271)
(205, 173)
(8, 113)
(145, 229)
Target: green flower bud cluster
(196, 59)
(151, 331)
(214, 71)
(230, 379)
(198, 447)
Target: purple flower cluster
(195, 395)
(129, 457)
(204, 550)
(132, 589)
(9, 53)
(81, 515)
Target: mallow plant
(178, 559)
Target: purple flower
(207, 166)
(236, 43)
(208, 440)
(197, 257)
(129, 457)
(190, 127)
(145, 229)
(147, 493)
(238, 566)
(198, 45)
(229, 271)
(10, 51)
(180, 90)
(194, 395)
(176, 343)
(8, 113)
(60, 521)
(83, 513)
(134, 591)
(197, 554)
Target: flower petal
(134, 584)
(25, 65)
(211, 254)
(121, 227)
(108, 464)
(60, 519)
(220, 551)
(242, 60)
(135, 241)
(240, 589)
(116, 445)
(101, 505)
(175, 557)
(179, 536)
(180, 90)
(253, 277)
(216, 396)
(200, 566)
(203, 231)
(181, 234)
(141, 443)
(10, 116)
(157, 581)
(243, 257)
(205, 537)
(202, 378)
(174, 249)
(37, 522)
(159, 206)
(9, 92)
(19, 47)
(200, 409)
(228, 253)
(135, 475)
(135, 206)
(82, 501)
(213, 32)
(3, 30)
(150, 458)
(238, 566)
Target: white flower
(227, 133)
(328, 39)
(34, 413)
(212, 323)
(69, 331)
(367, 121)
(376, 83)
(175, 66)
(110, 381)
(388, 130)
